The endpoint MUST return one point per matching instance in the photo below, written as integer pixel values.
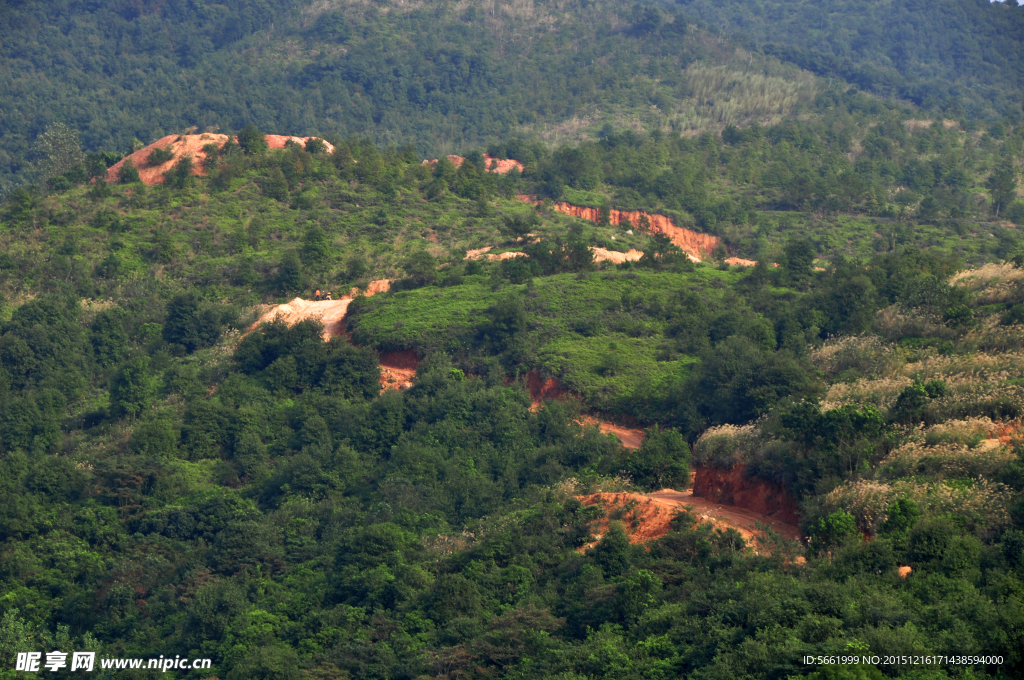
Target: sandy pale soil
(397, 369)
(330, 312)
(603, 255)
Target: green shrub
(663, 460)
(193, 325)
(833, 530)
(252, 141)
(132, 388)
(159, 156)
(315, 145)
(128, 173)
(180, 175)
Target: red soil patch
(733, 487)
(645, 520)
(739, 261)
(544, 388)
(1009, 430)
(398, 369)
(629, 437)
(501, 166)
(186, 145)
(378, 286)
(498, 165)
(279, 142)
(696, 245)
(181, 145)
(649, 515)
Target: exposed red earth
(542, 389)
(187, 145)
(279, 142)
(695, 244)
(649, 515)
(498, 165)
(629, 437)
(734, 488)
(398, 369)
(734, 501)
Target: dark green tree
(128, 173)
(663, 460)
(251, 140)
(1002, 185)
(290, 276)
(191, 324)
(132, 388)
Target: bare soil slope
(330, 312)
(648, 516)
(542, 389)
(498, 165)
(186, 145)
(696, 245)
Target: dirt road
(741, 519)
(649, 516)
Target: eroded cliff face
(544, 388)
(734, 487)
(695, 244)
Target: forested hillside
(446, 76)
(441, 76)
(669, 268)
(176, 482)
(961, 57)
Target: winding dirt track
(741, 519)
(649, 516)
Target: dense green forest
(439, 75)
(173, 484)
(178, 480)
(445, 76)
(958, 57)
